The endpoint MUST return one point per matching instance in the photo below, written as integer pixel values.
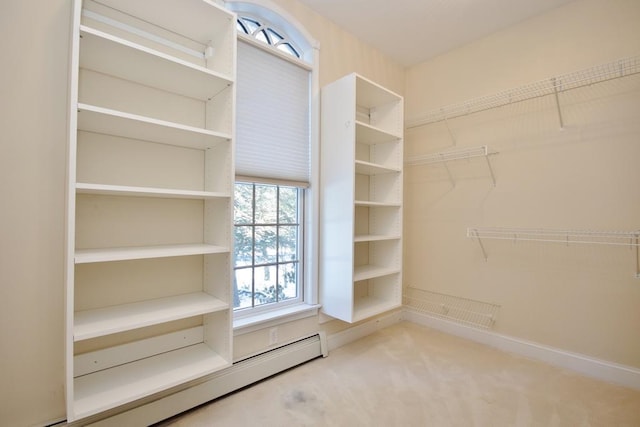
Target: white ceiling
(412, 31)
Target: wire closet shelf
(478, 314)
(447, 156)
(451, 155)
(619, 238)
(630, 239)
(551, 86)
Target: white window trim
(268, 319)
(311, 57)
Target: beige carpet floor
(410, 375)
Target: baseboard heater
(243, 373)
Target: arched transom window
(265, 33)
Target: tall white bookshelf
(361, 201)
(150, 199)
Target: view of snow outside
(266, 254)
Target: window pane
(288, 205)
(243, 248)
(251, 24)
(243, 204)
(265, 285)
(275, 37)
(266, 253)
(240, 26)
(288, 281)
(265, 245)
(287, 48)
(262, 36)
(266, 204)
(288, 243)
(243, 279)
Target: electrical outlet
(273, 336)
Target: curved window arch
(270, 25)
(262, 31)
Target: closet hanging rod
(554, 85)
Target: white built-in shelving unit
(150, 185)
(361, 214)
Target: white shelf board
(367, 203)
(367, 168)
(364, 272)
(117, 57)
(96, 119)
(120, 190)
(374, 237)
(370, 94)
(103, 390)
(199, 20)
(367, 134)
(369, 306)
(110, 320)
(84, 256)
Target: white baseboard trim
(599, 369)
(362, 330)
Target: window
(267, 224)
(252, 27)
(276, 204)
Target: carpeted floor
(410, 375)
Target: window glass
(265, 34)
(267, 251)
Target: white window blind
(272, 119)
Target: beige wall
(581, 299)
(33, 119)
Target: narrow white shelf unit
(149, 231)
(361, 214)
(629, 239)
(453, 155)
(553, 86)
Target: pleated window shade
(272, 118)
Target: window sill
(268, 319)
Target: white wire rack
(446, 156)
(630, 239)
(452, 155)
(470, 312)
(552, 86)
